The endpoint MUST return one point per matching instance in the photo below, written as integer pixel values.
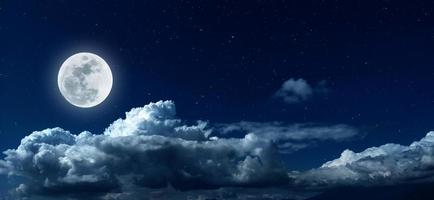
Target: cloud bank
(150, 148)
(152, 154)
(384, 165)
(297, 90)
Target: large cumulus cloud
(383, 165)
(150, 148)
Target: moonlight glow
(85, 80)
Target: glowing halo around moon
(85, 80)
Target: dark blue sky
(222, 61)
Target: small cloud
(298, 90)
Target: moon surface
(85, 80)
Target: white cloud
(386, 164)
(156, 119)
(297, 90)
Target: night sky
(246, 66)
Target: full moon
(85, 80)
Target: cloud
(383, 165)
(150, 148)
(298, 90)
(152, 154)
(293, 137)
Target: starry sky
(365, 65)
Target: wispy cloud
(290, 137)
